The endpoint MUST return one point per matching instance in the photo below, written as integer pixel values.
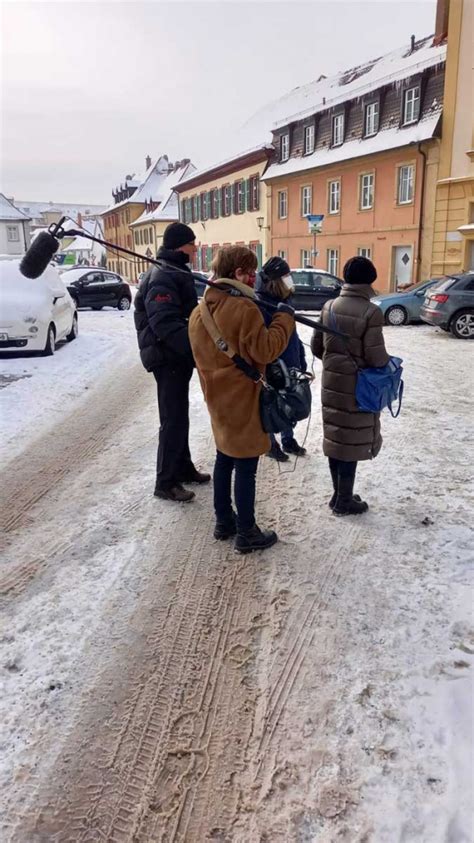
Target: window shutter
(257, 194)
(209, 256)
(259, 255)
(233, 197)
(219, 201)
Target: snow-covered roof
(168, 208)
(386, 139)
(197, 174)
(8, 211)
(35, 209)
(325, 93)
(154, 186)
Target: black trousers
(244, 490)
(173, 462)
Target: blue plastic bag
(378, 388)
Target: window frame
(302, 259)
(13, 229)
(374, 104)
(336, 117)
(284, 142)
(310, 127)
(334, 250)
(362, 176)
(415, 102)
(282, 253)
(239, 196)
(330, 183)
(400, 167)
(366, 249)
(304, 198)
(282, 193)
(227, 197)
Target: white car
(35, 314)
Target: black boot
(275, 453)
(195, 476)
(292, 447)
(225, 529)
(176, 493)
(346, 503)
(255, 539)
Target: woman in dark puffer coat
(350, 435)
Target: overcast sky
(90, 88)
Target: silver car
(450, 305)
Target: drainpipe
(422, 206)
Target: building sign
(315, 223)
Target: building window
(309, 138)
(195, 202)
(151, 236)
(406, 182)
(141, 238)
(214, 204)
(333, 261)
(337, 129)
(364, 252)
(239, 197)
(411, 105)
(371, 122)
(13, 234)
(145, 236)
(227, 200)
(306, 200)
(305, 258)
(282, 204)
(334, 204)
(282, 254)
(285, 147)
(184, 216)
(254, 193)
(136, 238)
(205, 205)
(366, 191)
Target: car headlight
(376, 301)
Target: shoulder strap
(223, 345)
(400, 397)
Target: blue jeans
(244, 490)
(286, 437)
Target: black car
(313, 288)
(97, 288)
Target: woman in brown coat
(350, 435)
(233, 398)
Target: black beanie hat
(275, 268)
(178, 234)
(359, 270)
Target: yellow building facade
(227, 205)
(453, 243)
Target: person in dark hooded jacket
(274, 285)
(164, 302)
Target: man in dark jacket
(164, 302)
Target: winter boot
(255, 539)
(346, 503)
(176, 493)
(334, 476)
(275, 453)
(225, 529)
(292, 447)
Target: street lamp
(260, 221)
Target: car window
(469, 285)
(93, 277)
(303, 279)
(328, 281)
(110, 278)
(444, 284)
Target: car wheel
(123, 303)
(50, 346)
(396, 315)
(74, 330)
(462, 325)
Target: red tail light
(441, 297)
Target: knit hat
(178, 234)
(359, 270)
(275, 268)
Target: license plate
(3, 337)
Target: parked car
(313, 288)
(97, 288)
(450, 305)
(34, 314)
(200, 281)
(404, 307)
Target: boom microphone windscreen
(39, 255)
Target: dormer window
(371, 119)
(309, 138)
(338, 130)
(411, 105)
(285, 147)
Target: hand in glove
(285, 308)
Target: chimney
(79, 219)
(412, 44)
(147, 162)
(442, 16)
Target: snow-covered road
(155, 687)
